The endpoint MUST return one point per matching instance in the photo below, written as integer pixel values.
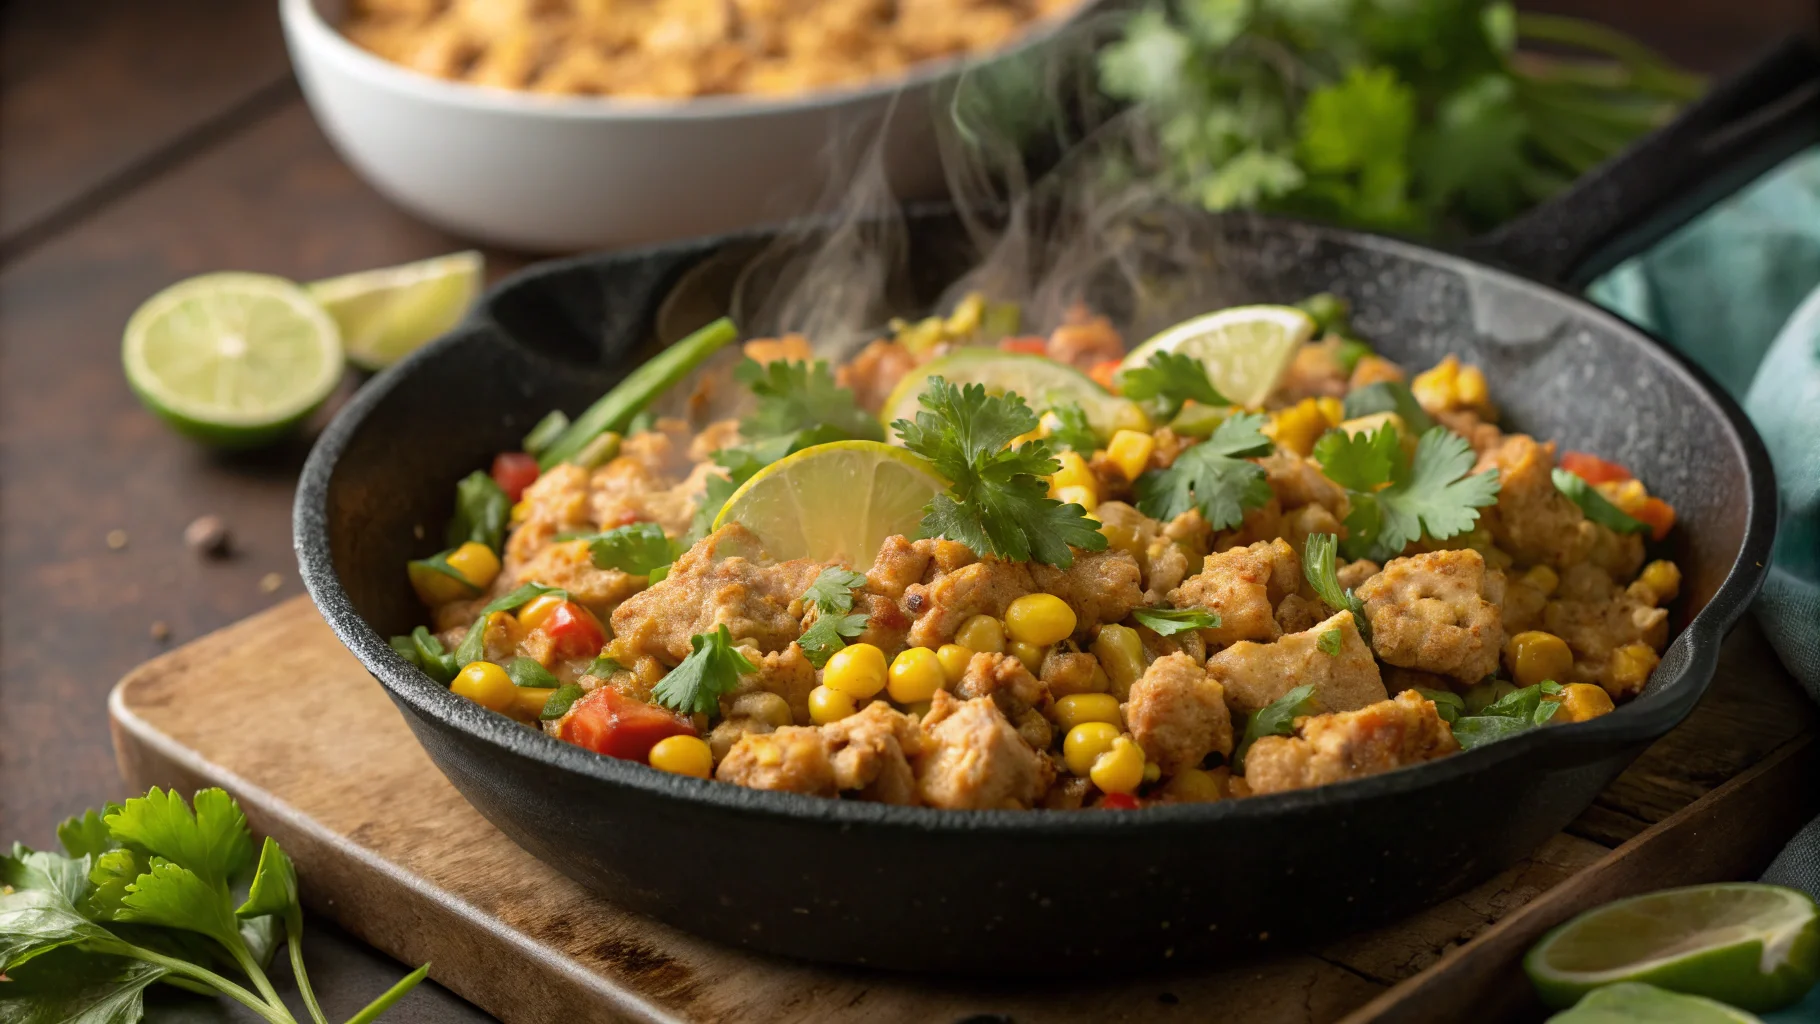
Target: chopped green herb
(998, 503)
(1430, 493)
(832, 596)
(559, 703)
(1276, 718)
(481, 511)
(432, 657)
(710, 671)
(1388, 396)
(473, 644)
(1072, 432)
(439, 563)
(1329, 641)
(546, 431)
(639, 549)
(615, 409)
(642, 421)
(1516, 712)
(521, 595)
(1170, 621)
(1212, 476)
(602, 667)
(1362, 461)
(1595, 505)
(1448, 704)
(528, 672)
(1318, 567)
(1171, 380)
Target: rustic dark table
(143, 141)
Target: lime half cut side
(834, 502)
(1245, 349)
(235, 360)
(1040, 381)
(1631, 1003)
(387, 314)
(1750, 945)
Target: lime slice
(834, 502)
(1750, 945)
(1630, 1003)
(389, 313)
(1245, 349)
(1042, 382)
(236, 360)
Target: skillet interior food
(996, 891)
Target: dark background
(144, 141)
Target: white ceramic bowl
(554, 173)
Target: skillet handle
(1745, 126)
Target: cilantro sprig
(1212, 476)
(152, 891)
(638, 549)
(711, 670)
(1170, 380)
(1071, 431)
(1396, 500)
(1318, 567)
(832, 596)
(998, 502)
(1170, 621)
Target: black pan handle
(1745, 126)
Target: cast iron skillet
(999, 892)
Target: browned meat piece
(1620, 554)
(1349, 745)
(794, 759)
(870, 753)
(1164, 553)
(708, 587)
(1522, 609)
(1298, 482)
(1243, 587)
(555, 502)
(570, 566)
(1256, 674)
(1296, 613)
(1315, 372)
(974, 759)
(1481, 435)
(1372, 369)
(939, 607)
(1596, 617)
(874, 372)
(1004, 680)
(1533, 520)
(1084, 340)
(1065, 672)
(1261, 524)
(1299, 523)
(1101, 587)
(1396, 680)
(786, 673)
(1352, 574)
(1439, 612)
(1177, 713)
(899, 563)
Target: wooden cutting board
(275, 710)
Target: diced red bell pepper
(608, 722)
(1030, 346)
(1593, 469)
(513, 472)
(1659, 515)
(1118, 802)
(1105, 373)
(575, 632)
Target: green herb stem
(256, 974)
(273, 1011)
(1644, 63)
(372, 1010)
(293, 937)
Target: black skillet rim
(1642, 720)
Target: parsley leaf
(1514, 713)
(795, 396)
(213, 842)
(1170, 621)
(1276, 718)
(998, 502)
(1595, 505)
(1319, 569)
(712, 669)
(481, 511)
(1072, 432)
(31, 869)
(1212, 476)
(639, 549)
(1329, 641)
(832, 595)
(86, 835)
(1171, 379)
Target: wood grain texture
(417, 872)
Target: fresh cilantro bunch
(998, 502)
(1396, 500)
(710, 672)
(149, 892)
(1420, 118)
(832, 596)
(1212, 476)
(1170, 380)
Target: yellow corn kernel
(1298, 427)
(1152, 771)
(915, 675)
(1076, 708)
(1074, 472)
(954, 659)
(476, 562)
(762, 706)
(1121, 654)
(1535, 656)
(528, 701)
(435, 587)
(532, 613)
(1127, 416)
(1332, 410)
(1121, 537)
(1082, 496)
(1120, 769)
(827, 705)
(1085, 743)
(1629, 670)
(1193, 786)
(485, 684)
(1436, 388)
(1130, 451)
(1663, 578)
(1039, 619)
(683, 755)
(1628, 495)
(1470, 388)
(521, 511)
(1542, 578)
(966, 316)
(1581, 701)
(981, 633)
(857, 670)
(1031, 655)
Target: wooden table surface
(143, 141)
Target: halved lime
(387, 314)
(1631, 1003)
(1750, 945)
(1042, 382)
(835, 501)
(1245, 349)
(232, 359)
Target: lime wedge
(389, 313)
(236, 360)
(1245, 349)
(1631, 1003)
(834, 502)
(1042, 382)
(1750, 945)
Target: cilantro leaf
(112, 873)
(1170, 621)
(274, 888)
(1595, 505)
(1329, 641)
(832, 590)
(1436, 496)
(1276, 718)
(602, 667)
(213, 842)
(481, 511)
(638, 549)
(521, 595)
(1319, 569)
(86, 834)
(1171, 379)
(712, 669)
(795, 396)
(173, 896)
(1072, 432)
(1362, 461)
(998, 502)
(1212, 476)
(832, 596)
